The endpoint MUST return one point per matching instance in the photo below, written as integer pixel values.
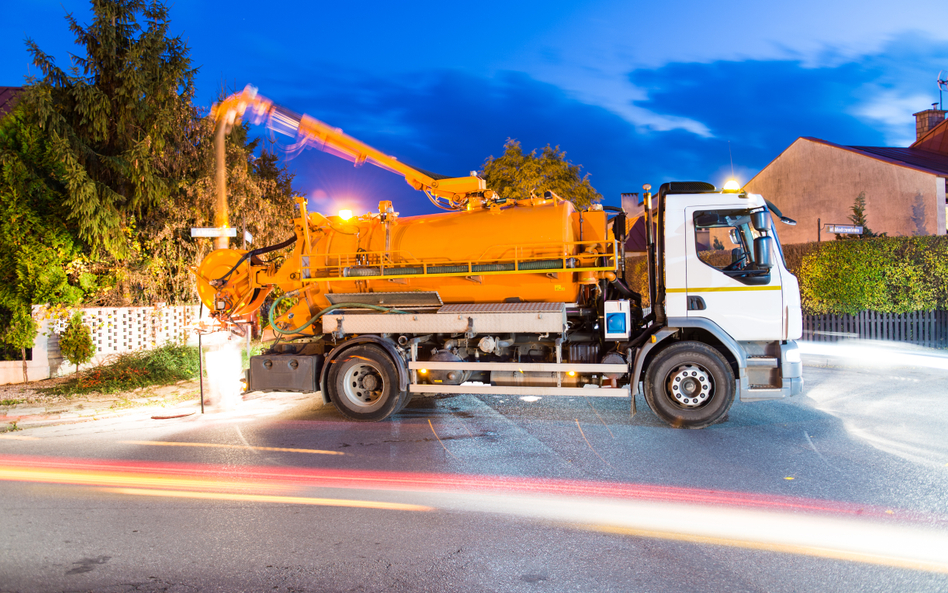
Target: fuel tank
(481, 256)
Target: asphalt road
(841, 489)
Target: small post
(819, 227)
(201, 356)
(201, 369)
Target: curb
(83, 409)
(13, 421)
(867, 354)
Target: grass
(10, 402)
(161, 366)
(126, 403)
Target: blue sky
(635, 92)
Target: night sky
(634, 92)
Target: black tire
(363, 384)
(406, 397)
(689, 385)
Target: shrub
(888, 275)
(76, 342)
(161, 366)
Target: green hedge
(887, 274)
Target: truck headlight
(793, 355)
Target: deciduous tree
(516, 175)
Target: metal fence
(924, 328)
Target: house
(816, 182)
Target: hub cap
(690, 386)
(363, 384)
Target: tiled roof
(934, 140)
(8, 98)
(913, 158)
(923, 159)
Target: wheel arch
(698, 330)
(387, 345)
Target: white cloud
(887, 110)
(595, 50)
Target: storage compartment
(285, 372)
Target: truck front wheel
(689, 385)
(363, 384)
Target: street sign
(213, 232)
(843, 229)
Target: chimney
(928, 119)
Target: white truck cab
(719, 281)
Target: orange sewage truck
(521, 297)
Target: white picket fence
(115, 330)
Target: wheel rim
(690, 386)
(363, 385)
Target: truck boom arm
(457, 191)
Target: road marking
(782, 548)
(598, 416)
(590, 446)
(439, 440)
(18, 437)
(812, 446)
(330, 502)
(224, 446)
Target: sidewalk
(34, 409)
(159, 403)
(863, 354)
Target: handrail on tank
(375, 260)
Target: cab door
(725, 283)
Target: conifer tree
(106, 165)
(858, 218)
(115, 119)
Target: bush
(794, 254)
(76, 342)
(888, 275)
(161, 366)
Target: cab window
(724, 240)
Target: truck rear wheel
(363, 384)
(689, 385)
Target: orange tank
(537, 251)
(528, 251)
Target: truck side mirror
(759, 220)
(762, 251)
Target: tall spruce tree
(105, 168)
(517, 175)
(115, 119)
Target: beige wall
(812, 180)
